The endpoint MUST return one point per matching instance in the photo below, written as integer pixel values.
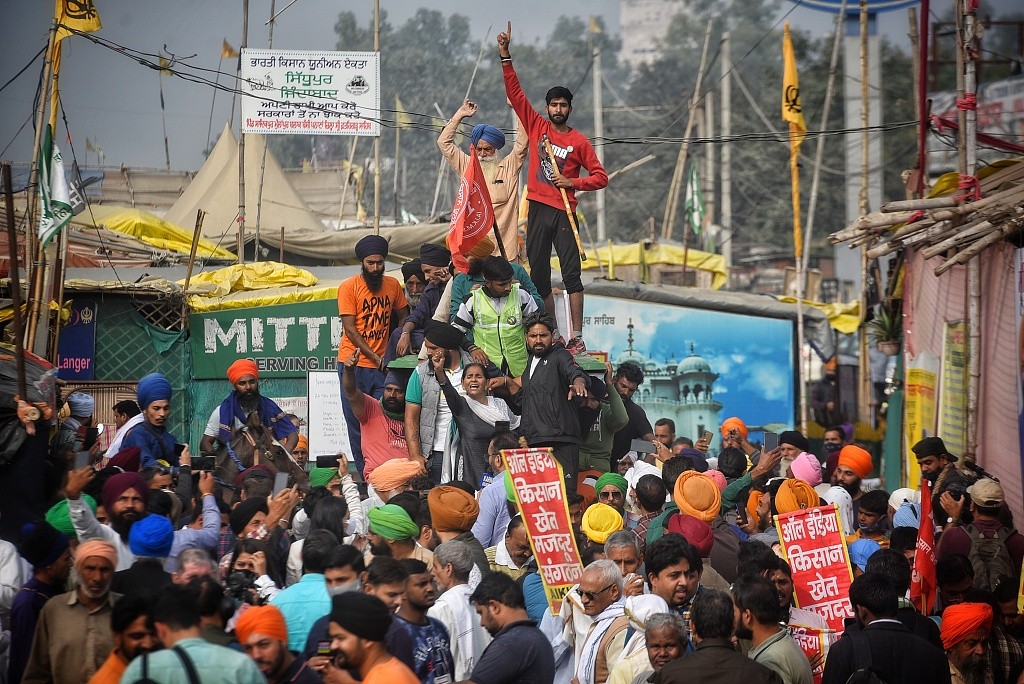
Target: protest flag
(792, 111)
(227, 51)
(402, 118)
(79, 15)
(923, 582)
(472, 215)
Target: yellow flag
(165, 66)
(792, 111)
(226, 51)
(401, 117)
(80, 15)
(593, 26)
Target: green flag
(694, 204)
(54, 193)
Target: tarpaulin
(639, 253)
(844, 318)
(150, 229)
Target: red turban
(265, 620)
(697, 532)
(734, 422)
(242, 367)
(856, 459)
(958, 621)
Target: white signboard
(315, 93)
(327, 429)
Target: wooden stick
(978, 247)
(15, 276)
(961, 237)
(915, 204)
(565, 199)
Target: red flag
(923, 583)
(472, 215)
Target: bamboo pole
(677, 176)
(921, 204)
(971, 254)
(346, 173)
(376, 139)
(15, 276)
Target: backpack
(990, 556)
(186, 662)
(865, 673)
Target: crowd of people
(412, 562)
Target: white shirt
(213, 425)
(115, 444)
(443, 417)
(467, 637)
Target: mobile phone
(707, 436)
(91, 434)
(771, 441)
(501, 426)
(641, 446)
(203, 464)
(280, 483)
(81, 460)
(178, 448)
(323, 648)
(326, 461)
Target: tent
(150, 229)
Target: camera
(240, 585)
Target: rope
(968, 103)
(971, 187)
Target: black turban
(244, 512)
(41, 544)
(794, 438)
(412, 268)
(360, 614)
(371, 244)
(434, 255)
(444, 335)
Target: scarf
(494, 410)
(602, 623)
(231, 410)
(503, 558)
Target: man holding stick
(502, 173)
(552, 189)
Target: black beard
(742, 632)
(249, 402)
(122, 522)
(381, 549)
(392, 405)
(374, 281)
(540, 353)
(558, 119)
(851, 489)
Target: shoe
(576, 346)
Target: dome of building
(693, 364)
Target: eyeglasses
(616, 494)
(589, 596)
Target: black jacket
(547, 415)
(897, 656)
(145, 576)
(715, 661)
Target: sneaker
(576, 346)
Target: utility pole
(726, 210)
(967, 149)
(598, 128)
(241, 148)
(708, 185)
(376, 139)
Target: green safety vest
(500, 334)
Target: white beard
(490, 168)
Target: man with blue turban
(502, 174)
(151, 436)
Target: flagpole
(376, 139)
(213, 100)
(399, 120)
(240, 216)
(263, 155)
(33, 180)
(346, 173)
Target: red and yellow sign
(540, 495)
(814, 545)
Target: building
(643, 24)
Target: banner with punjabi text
(815, 547)
(540, 496)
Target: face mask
(832, 448)
(347, 588)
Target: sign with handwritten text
(814, 545)
(310, 93)
(540, 494)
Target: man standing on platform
(547, 223)
(366, 304)
(502, 174)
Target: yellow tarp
(150, 229)
(844, 318)
(260, 284)
(630, 255)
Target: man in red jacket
(547, 222)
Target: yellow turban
(795, 495)
(599, 521)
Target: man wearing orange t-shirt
(357, 630)
(366, 304)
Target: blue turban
(861, 550)
(392, 379)
(489, 134)
(151, 537)
(371, 244)
(907, 515)
(153, 387)
(81, 404)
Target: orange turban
(856, 459)
(795, 495)
(451, 509)
(958, 621)
(303, 442)
(265, 620)
(753, 499)
(95, 548)
(697, 494)
(242, 367)
(734, 422)
(393, 474)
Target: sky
(115, 102)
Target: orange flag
(472, 215)
(923, 583)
